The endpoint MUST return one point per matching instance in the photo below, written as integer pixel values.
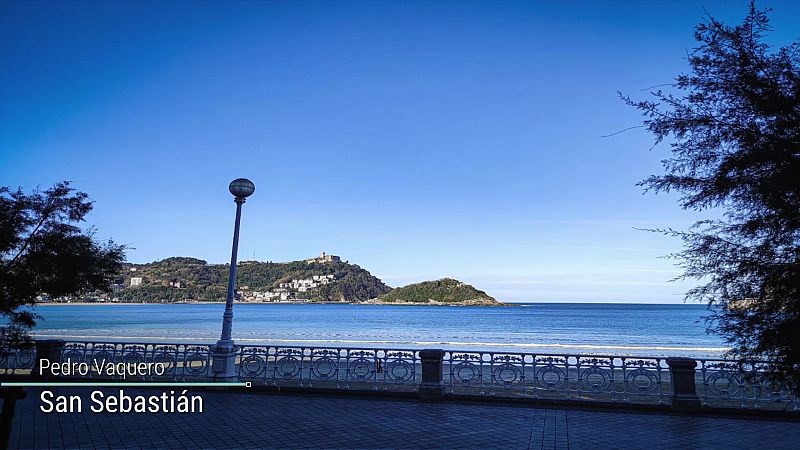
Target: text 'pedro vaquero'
(120, 401)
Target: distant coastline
(323, 279)
(270, 303)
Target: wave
(463, 344)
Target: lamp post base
(223, 362)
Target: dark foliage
(351, 283)
(733, 124)
(446, 290)
(42, 250)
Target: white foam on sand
(456, 344)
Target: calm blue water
(535, 327)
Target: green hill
(181, 279)
(444, 291)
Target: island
(446, 291)
(322, 279)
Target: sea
(554, 328)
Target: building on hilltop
(324, 258)
(136, 281)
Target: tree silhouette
(42, 250)
(733, 126)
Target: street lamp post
(223, 362)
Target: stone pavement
(237, 420)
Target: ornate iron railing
(592, 378)
(181, 362)
(741, 384)
(606, 378)
(340, 368)
(17, 361)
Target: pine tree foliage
(733, 126)
(43, 250)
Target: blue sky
(417, 139)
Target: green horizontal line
(121, 384)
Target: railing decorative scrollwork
(607, 378)
(590, 378)
(338, 368)
(180, 362)
(741, 384)
(17, 360)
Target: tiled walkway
(287, 421)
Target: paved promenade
(233, 420)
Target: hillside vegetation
(182, 279)
(444, 291)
